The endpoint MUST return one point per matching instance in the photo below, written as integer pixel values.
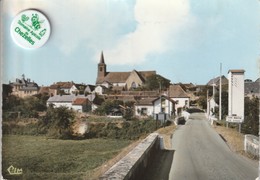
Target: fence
(251, 144)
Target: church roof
(116, 77)
(121, 77)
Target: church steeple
(102, 69)
(102, 58)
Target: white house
(100, 89)
(211, 106)
(80, 103)
(144, 107)
(180, 97)
(73, 89)
(89, 88)
(152, 106)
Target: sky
(182, 40)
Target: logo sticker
(14, 171)
(30, 29)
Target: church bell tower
(102, 69)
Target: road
(201, 154)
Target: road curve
(201, 154)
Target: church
(127, 80)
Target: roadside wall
(135, 162)
(251, 144)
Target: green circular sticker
(30, 29)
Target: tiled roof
(44, 89)
(63, 85)
(217, 79)
(91, 87)
(121, 77)
(146, 101)
(117, 77)
(175, 91)
(69, 98)
(26, 85)
(80, 101)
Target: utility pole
(207, 103)
(220, 93)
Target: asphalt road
(201, 154)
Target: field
(42, 158)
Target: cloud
(95, 24)
(158, 23)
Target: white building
(236, 89)
(180, 97)
(152, 106)
(80, 103)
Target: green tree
(58, 121)
(251, 122)
(224, 100)
(154, 82)
(107, 106)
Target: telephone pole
(220, 93)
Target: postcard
(134, 89)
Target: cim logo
(15, 171)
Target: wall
(251, 144)
(135, 162)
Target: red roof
(80, 101)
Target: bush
(121, 130)
(58, 121)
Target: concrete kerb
(129, 166)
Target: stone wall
(135, 162)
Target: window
(143, 111)
(163, 101)
(100, 69)
(133, 85)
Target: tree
(107, 106)
(251, 122)
(154, 82)
(58, 121)
(224, 100)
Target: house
(153, 106)
(128, 80)
(144, 107)
(89, 89)
(79, 89)
(62, 88)
(216, 81)
(65, 88)
(24, 87)
(44, 90)
(211, 105)
(80, 103)
(180, 97)
(99, 89)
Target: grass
(42, 158)
(235, 140)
